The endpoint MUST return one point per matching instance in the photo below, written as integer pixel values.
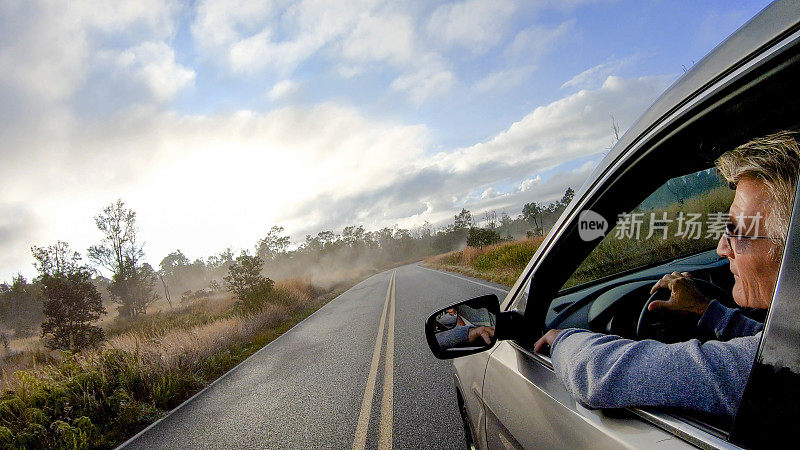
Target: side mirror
(470, 327)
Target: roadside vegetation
(100, 397)
(500, 263)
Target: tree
(463, 220)
(569, 194)
(244, 280)
(532, 213)
(71, 300)
(273, 244)
(479, 237)
(21, 306)
(132, 284)
(490, 217)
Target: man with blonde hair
(604, 371)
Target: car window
(521, 300)
(685, 215)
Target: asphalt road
(333, 382)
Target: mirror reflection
(465, 326)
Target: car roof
(770, 25)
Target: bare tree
(132, 282)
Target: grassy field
(501, 263)
(146, 367)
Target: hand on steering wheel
(675, 292)
(685, 296)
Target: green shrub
(6, 437)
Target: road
(334, 381)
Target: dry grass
(180, 350)
(98, 398)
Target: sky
(217, 119)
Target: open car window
(684, 216)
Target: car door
(723, 102)
(521, 390)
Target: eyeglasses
(739, 242)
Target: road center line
(360, 440)
(387, 405)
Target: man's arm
(453, 337)
(603, 371)
(728, 323)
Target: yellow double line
(385, 430)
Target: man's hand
(548, 339)
(485, 333)
(685, 297)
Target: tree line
(68, 295)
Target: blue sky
(215, 120)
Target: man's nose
(723, 249)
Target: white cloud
(572, 127)
(353, 36)
(221, 23)
(504, 79)
(255, 36)
(594, 76)
(533, 42)
(575, 127)
(48, 44)
(527, 184)
(431, 79)
(387, 37)
(283, 89)
(473, 24)
(153, 63)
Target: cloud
(153, 64)
(18, 225)
(386, 37)
(572, 127)
(529, 183)
(532, 154)
(431, 79)
(533, 42)
(504, 79)
(352, 36)
(594, 76)
(252, 37)
(476, 25)
(283, 89)
(45, 47)
(489, 193)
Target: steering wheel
(649, 323)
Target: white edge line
(465, 279)
(175, 409)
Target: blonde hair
(774, 160)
